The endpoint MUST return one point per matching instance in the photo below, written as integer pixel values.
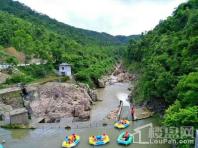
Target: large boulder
(84, 115)
(86, 105)
(93, 95)
(121, 77)
(77, 110)
(101, 83)
(57, 100)
(90, 91)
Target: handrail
(120, 110)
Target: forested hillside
(39, 37)
(168, 61)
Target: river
(52, 137)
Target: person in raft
(126, 136)
(70, 139)
(133, 112)
(74, 137)
(123, 121)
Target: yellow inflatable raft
(122, 124)
(99, 140)
(71, 141)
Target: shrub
(65, 79)
(37, 71)
(19, 78)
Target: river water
(49, 137)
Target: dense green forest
(167, 63)
(91, 54)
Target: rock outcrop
(122, 75)
(93, 95)
(57, 100)
(84, 115)
(119, 75)
(90, 91)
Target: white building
(65, 69)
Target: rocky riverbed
(51, 101)
(119, 75)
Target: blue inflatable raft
(1, 146)
(99, 140)
(125, 141)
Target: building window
(62, 68)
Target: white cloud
(123, 17)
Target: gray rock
(84, 115)
(91, 92)
(93, 95)
(57, 100)
(101, 83)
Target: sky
(116, 17)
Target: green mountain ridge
(87, 36)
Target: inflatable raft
(123, 140)
(122, 124)
(71, 141)
(99, 140)
(1, 146)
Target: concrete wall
(12, 98)
(19, 118)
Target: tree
(188, 89)
(178, 116)
(12, 61)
